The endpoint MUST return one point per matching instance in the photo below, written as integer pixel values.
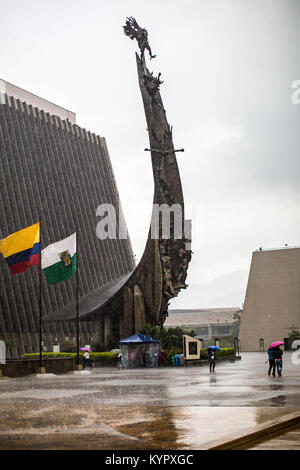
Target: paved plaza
(165, 408)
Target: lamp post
(236, 346)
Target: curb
(252, 436)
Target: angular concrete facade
(54, 171)
(272, 302)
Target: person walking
(278, 359)
(212, 360)
(86, 360)
(271, 356)
(120, 364)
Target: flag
(22, 249)
(59, 260)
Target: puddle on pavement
(145, 409)
(126, 427)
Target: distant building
(272, 302)
(207, 323)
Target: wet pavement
(165, 408)
(287, 441)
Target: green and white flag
(59, 260)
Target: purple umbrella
(85, 349)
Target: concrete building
(272, 302)
(207, 323)
(54, 169)
(35, 101)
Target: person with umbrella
(211, 351)
(120, 364)
(275, 358)
(271, 357)
(278, 359)
(86, 358)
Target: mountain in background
(224, 291)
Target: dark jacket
(211, 354)
(278, 353)
(271, 354)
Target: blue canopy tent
(139, 350)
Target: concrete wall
(22, 367)
(272, 302)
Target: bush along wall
(225, 352)
(102, 358)
(171, 352)
(109, 359)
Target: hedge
(104, 357)
(171, 352)
(222, 353)
(109, 358)
(203, 353)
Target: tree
(234, 332)
(170, 338)
(295, 333)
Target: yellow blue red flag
(22, 249)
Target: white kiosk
(191, 348)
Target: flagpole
(77, 300)
(40, 296)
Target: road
(165, 408)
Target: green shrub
(49, 355)
(108, 358)
(104, 357)
(171, 352)
(203, 353)
(101, 357)
(170, 338)
(224, 352)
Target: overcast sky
(228, 68)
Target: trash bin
(173, 360)
(181, 359)
(177, 359)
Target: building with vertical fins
(272, 302)
(58, 173)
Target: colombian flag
(22, 249)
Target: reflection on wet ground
(167, 408)
(287, 441)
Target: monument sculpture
(144, 294)
(162, 271)
(39, 143)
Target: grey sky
(227, 67)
